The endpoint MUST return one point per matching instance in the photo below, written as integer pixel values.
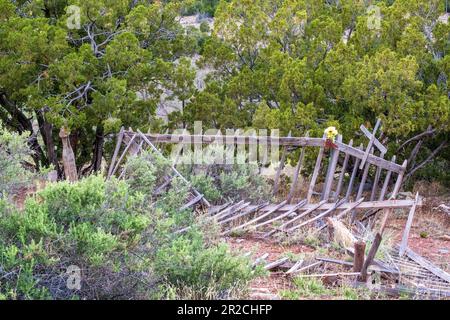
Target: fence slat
(297, 173)
(386, 183)
(375, 181)
(334, 157)
(315, 173)
(353, 177)
(342, 176)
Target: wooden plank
(351, 208)
(123, 154)
(297, 173)
(310, 266)
(231, 212)
(228, 209)
(376, 180)
(161, 188)
(280, 168)
(370, 257)
(334, 157)
(294, 268)
(288, 141)
(132, 152)
(427, 265)
(395, 204)
(386, 183)
(116, 151)
(320, 216)
(353, 177)
(213, 210)
(249, 211)
(397, 186)
(404, 243)
(260, 259)
(275, 264)
(361, 186)
(243, 226)
(342, 175)
(322, 275)
(307, 212)
(350, 264)
(236, 139)
(315, 173)
(363, 179)
(191, 203)
(281, 216)
(174, 169)
(372, 159)
(377, 143)
(369, 146)
(354, 205)
(358, 260)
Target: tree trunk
(46, 130)
(70, 168)
(22, 123)
(98, 149)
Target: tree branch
(428, 132)
(427, 160)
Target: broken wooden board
(394, 204)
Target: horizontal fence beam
(395, 204)
(268, 141)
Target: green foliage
(244, 182)
(306, 288)
(204, 27)
(205, 185)
(207, 7)
(13, 152)
(187, 262)
(299, 65)
(222, 182)
(143, 172)
(112, 71)
(121, 239)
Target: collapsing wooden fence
(336, 195)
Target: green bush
(187, 262)
(123, 241)
(223, 182)
(13, 153)
(144, 171)
(93, 224)
(206, 186)
(204, 27)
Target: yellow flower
(331, 133)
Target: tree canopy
(297, 65)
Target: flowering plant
(331, 133)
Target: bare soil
(429, 237)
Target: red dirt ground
(429, 237)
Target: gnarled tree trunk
(70, 168)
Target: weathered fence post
(360, 249)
